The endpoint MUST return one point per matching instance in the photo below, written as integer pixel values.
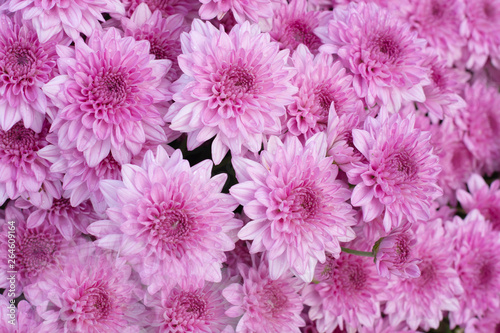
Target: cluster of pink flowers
(245, 166)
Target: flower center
(303, 203)
(273, 299)
(325, 99)
(107, 91)
(437, 9)
(299, 32)
(485, 273)
(186, 309)
(404, 165)
(387, 47)
(95, 303)
(427, 274)
(19, 143)
(403, 249)
(36, 251)
(238, 81)
(352, 276)
(60, 205)
(109, 168)
(19, 63)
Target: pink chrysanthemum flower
(401, 172)
(476, 249)
(264, 304)
(108, 92)
(71, 16)
(321, 82)
(242, 10)
(192, 310)
(421, 301)
(384, 56)
(442, 94)
(37, 249)
(438, 21)
(235, 87)
(297, 206)
(490, 322)
(482, 121)
(92, 292)
(394, 254)
(293, 24)
(25, 66)
(482, 197)
(23, 172)
(169, 220)
(185, 8)
(162, 33)
(19, 319)
(482, 29)
(347, 295)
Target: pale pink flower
(400, 174)
(18, 319)
(242, 10)
(481, 27)
(108, 94)
(71, 16)
(169, 220)
(92, 292)
(482, 121)
(347, 294)
(421, 301)
(384, 56)
(264, 304)
(321, 81)
(394, 254)
(297, 205)
(235, 87)
(482, 197)
(293, 24)
(476, 250)
(25, 66)
(162, 33)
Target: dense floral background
(267, 166)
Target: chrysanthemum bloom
(490, 322)
(476, 259)
(166, 7)
(421, 301)
(482, 197)
(400, 174)
(24, 317)
(482, 29)
(106, 93)
(442, 94)
(394, 254)
(192, 310)
(169, 220)
(321, 82)
(293, 24)
(71, 16)
(25, 66)
(37, 249)
(162, 33)
(22, 171)
(297, 206)
(482, 121)
(384, 56)
(347, 295)
(235, 87)
(92, 291)
(438, 22)
(243, 10)
(264, 304)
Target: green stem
(358, 253)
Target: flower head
(399, 176)
(169, 220)
(107, 94)
(384, 56)
(235, 87)
(297, 206)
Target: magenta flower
(162, 33)
(25, 66)
(476, 248)
(71, 16)
(482, 197)
(242, 10)
(265, 304)
(420, 302)
(169, 220)
(384, 56)
(321, 82)
(400, 174)
(297, 206)
(235, 87)
(348, 294)
(293, 24)
(92, 291)
(25, 318)
(394, 254)
(106, 93)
